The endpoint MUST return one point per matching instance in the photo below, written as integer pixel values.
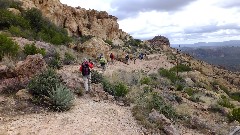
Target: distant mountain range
(209, 44)
(227, 56)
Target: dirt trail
(87, 117)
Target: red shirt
(90, 64)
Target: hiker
(112, 57)
(141, 56)
(134, 59)
(86, 72)
(126, 58)
(100, 56)
(103, 63)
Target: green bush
(4, 4)
(234, 115)
(180, 68)
(147, 89)
(225, 103)
(117, 89)
(55, 61)
(194, 98)
(60, 98)
(107, 86)
(179, 86)
(31, 49)
(153, 76)
(120, 89)
(162, 107)
(7, 46)
(225, 89)
(85, 38)
(145, 80)
(68, 58)
(170, 75)
(109, 42)
(42, 84)
(235, 96)
(189, 91)
(96, 77)
(145, 103)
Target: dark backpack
(111, 56)
(85, 69)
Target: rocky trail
(87, 117)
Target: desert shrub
(108, 86)
(108, 41)
(180, 68)
(60, 98)
(145, 80)
(96, 77)
(179, 86)
(194, 98)
(160, 105)
(120, 89)
(153, 76)
(225, 103)
(44, 29)
(68, 58)
(215, 108)
(35, 18)
(170, 75)
(55, 61)
(147, 89)
(117, 89)
(31, 49)
(235, 96)
(4, 4)
(85, 38)
(15, 30)
(7, 46)
(134, 42)
(234, 115)
(145, 103)
(189, 91)
(225, 89)
(42, 84)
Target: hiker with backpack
(103, 63)
(126, 58)
(112, 57)
(141, 56)
(86, 72)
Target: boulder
(165, 122)
(23, 71)
(23, 95)
(31, 66)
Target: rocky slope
(79, 21)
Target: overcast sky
(182, 21)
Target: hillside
(227, 57)
(41, 89)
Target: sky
(181, 21)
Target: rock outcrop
(79, 21)
(22, 73)
(160, 42)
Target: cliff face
(79, 21)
